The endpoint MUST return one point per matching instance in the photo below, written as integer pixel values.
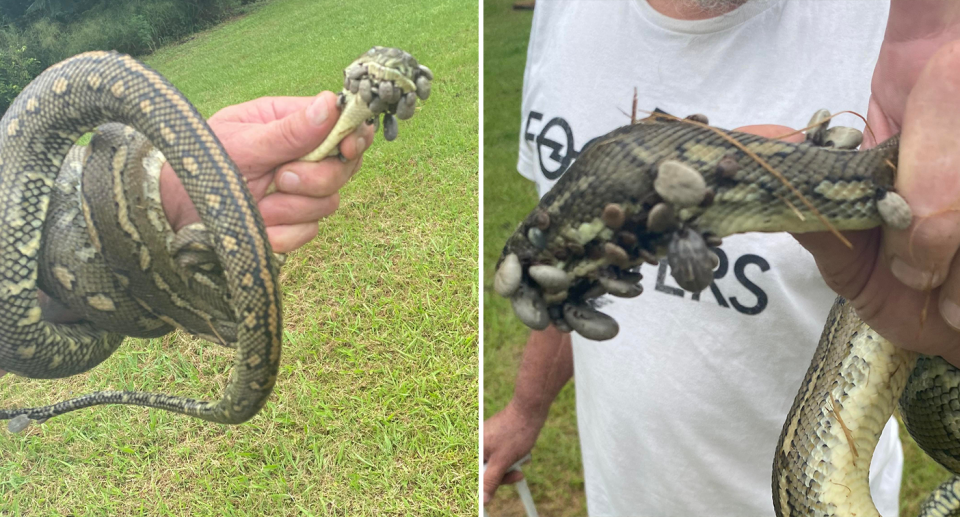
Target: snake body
(85, 224)
(674, 188)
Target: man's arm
(509, 435)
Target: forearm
(546, 367)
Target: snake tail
(43, 123)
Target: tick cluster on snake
(665, 187)
(85, 225)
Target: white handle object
(522, 489)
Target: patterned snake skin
(672, 188)
(85, 224)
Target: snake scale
(664, 187)
(85, 224)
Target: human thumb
(495, 474)
(928, 177)
(300, 132)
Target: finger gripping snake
(86, 225)
(673, 188)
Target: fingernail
(912, 277)
(950, 312)
(361, 144)
(486, 498)
(317, 112)
(289, 182)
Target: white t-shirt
(679, 415)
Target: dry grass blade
(771, 170)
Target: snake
(664, 187)
(85, 226)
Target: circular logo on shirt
(556, 142)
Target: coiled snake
(85, 225)
(673, 188)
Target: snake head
(386, 80)
(621, 204)
(383, 81)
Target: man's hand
(265, 138)
(507, 436)
(906, 284)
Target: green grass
(375, 410)
(555, 476)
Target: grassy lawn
(555, 476)
(375, 410)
